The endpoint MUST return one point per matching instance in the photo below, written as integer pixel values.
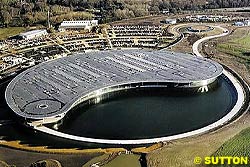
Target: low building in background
(33, 34)
(165, 11)
(247, 22)
(239, 24)
(242, 23)
(170, 21)
(205, 18)
(77, 25)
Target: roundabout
(200, 28)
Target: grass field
(11, 31)
(125, 161)
(95, 160)
(237, 146)
(182, 152)
(238, 45)
(120, 161)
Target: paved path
(237, 85)
(222, 121)
(197, 43)
(176, 31)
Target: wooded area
(33, 12)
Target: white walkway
(222, 121)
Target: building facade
(33, 34)
(171, 21)
(247, 22)
(77, 25)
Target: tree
(5, 17)
(123, 14)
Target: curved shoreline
(220, 122)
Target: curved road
(197, 43)
(176, 31)
(237, 85)
(222, 121)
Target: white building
(207, 18)
(165, 11)
(33, 34)
(171, 21)
(247, 22)
(239, 24)
(80, 24)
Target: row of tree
(32, 12)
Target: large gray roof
(51, 88)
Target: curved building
(46, 92)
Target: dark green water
(14, 130)
(149, 113)
(128, 115)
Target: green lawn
(11, 31)
(244, 41)
(95, 160)
(238, 46)
(125, 161)
(120, 161)
(239, 145)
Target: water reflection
(135, 114)
(150, 112)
